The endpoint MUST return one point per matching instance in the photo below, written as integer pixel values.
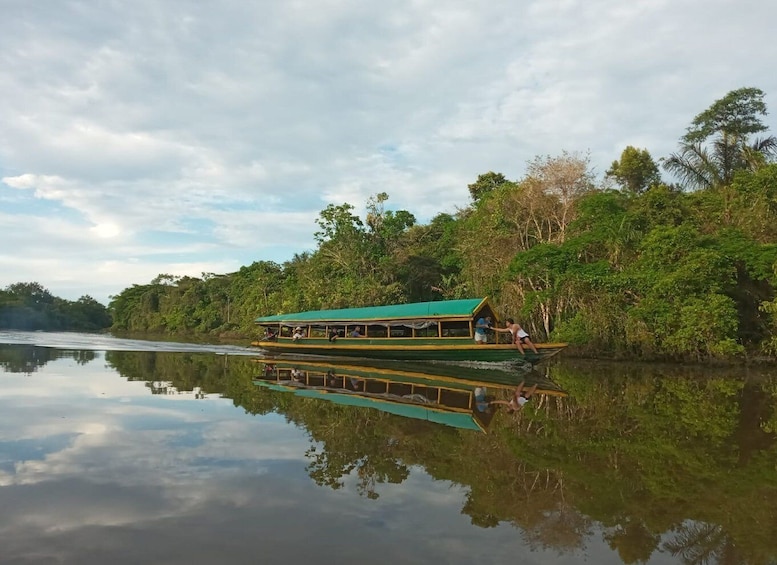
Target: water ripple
(107, 342)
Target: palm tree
(701, 543)
(698, 166)
(729, 122)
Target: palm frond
(692, 166)
(765, 145)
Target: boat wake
(107, 342)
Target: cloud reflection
(93, 478)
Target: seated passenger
(332, 335)
(356, 332)
(298, 334)
(518, 336)
(270, 335)
(520, 397)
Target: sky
(188, 137)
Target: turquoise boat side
(455, 419)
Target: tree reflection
(753, 433)
(633, 541)
(700, 543)
(350, 445)
(636, 449)
(29, 358)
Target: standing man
(483, 324)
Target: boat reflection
(452, 395)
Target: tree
(359, 258)
(636, 171)
(567, 178)
(717, 144)
(87, 314)
(30, 294)
(386, 226)
(485, 184)
(735, 115)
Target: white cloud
(234, 124)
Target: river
(131, 451)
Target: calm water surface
(123, 451)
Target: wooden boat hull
(379, 349)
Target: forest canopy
(636, 264)
(29, 306)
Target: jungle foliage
(631, 266)
(29, 306)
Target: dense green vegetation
(628, 266)
(29, 306)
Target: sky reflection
(96, 470)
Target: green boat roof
(464, 308)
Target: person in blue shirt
(481, 327)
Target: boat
(450, 395)
(438, 331)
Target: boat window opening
(455, 398)
(426, 392)
(375, 387)
(339, 330)
(270, 333)
(430, 331)
(354, 384)
(401, 331)
(455, 329)
(265, 375)
(400, 389)
(317, 331)
(285, 331)
(335, 381)
(374, 330)
(315, 380)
